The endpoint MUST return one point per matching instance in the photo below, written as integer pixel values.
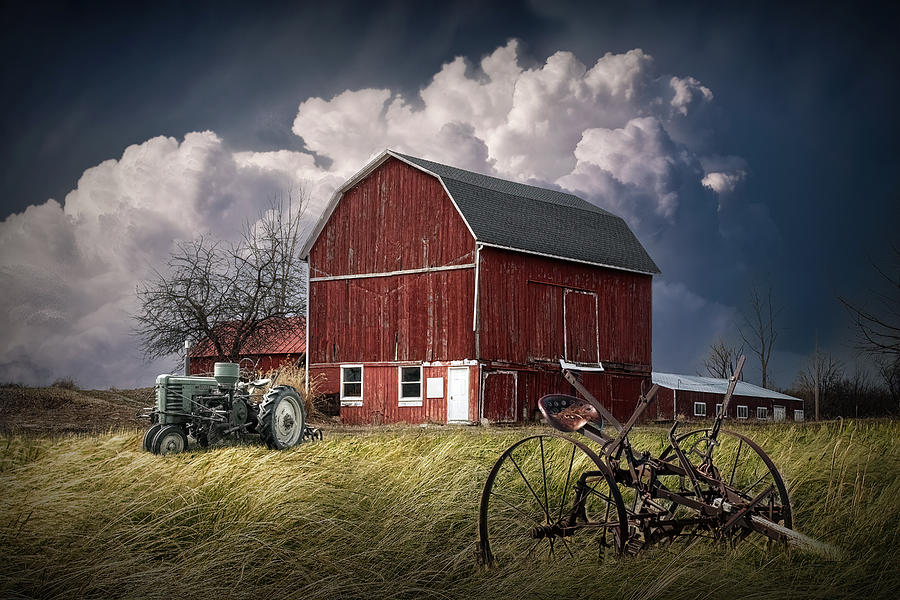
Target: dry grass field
(391, 513)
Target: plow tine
(795, 539)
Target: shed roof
(713, 385)
(526, 218)
(293, 341)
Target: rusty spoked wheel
(549, 497)
(745, 471)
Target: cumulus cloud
(618, 132)
(688, 93)
(723, 183)
(69, 270)
(604, 130)
(631, 170)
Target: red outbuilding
(442, 295)
(695, 397)
(288, 348)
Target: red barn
(289, 348)
(696, 397)
(438, 294)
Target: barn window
(410, 386)
(351, 385)
(798, 415)
(742, 412)
(762, 412)
(699, 409)
(718, 409)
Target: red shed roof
(292, 341)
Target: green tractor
(212, 408)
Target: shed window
(718, 409)
(798, 415)
(351, 385)
(410, 386)
(762, 412)
(699, 409)
(742, 412)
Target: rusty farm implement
(555, 496)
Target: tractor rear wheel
(149, 435)
(169, 440)
(282, 418)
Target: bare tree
(819, 378)
(722, 359)
(877, 323)
(858, 387)
(889, 369)
(230, 294)
(759, 330)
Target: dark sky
(806, 94)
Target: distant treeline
(847, 396)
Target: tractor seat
(568, 413)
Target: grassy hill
(57, 410)
(391, 513)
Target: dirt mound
(57, 410)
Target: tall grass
(391, 513)
(295, 376)
(287, 374)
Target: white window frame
(353, 400)
(698, 405)
(762, 413)
(409, 401)
(745, 410)
(801, 415)
(718, 408)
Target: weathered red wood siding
(663, 408)
(500, 394)
(523, 301)
(396, 219)
(380, 395)
(417, 317)
(618, 392)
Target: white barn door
(778, 413)
(457, 394)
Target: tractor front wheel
(169, 440)
(149, 436)
(282, 418)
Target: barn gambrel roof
(525, 218)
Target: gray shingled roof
(533, 219)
